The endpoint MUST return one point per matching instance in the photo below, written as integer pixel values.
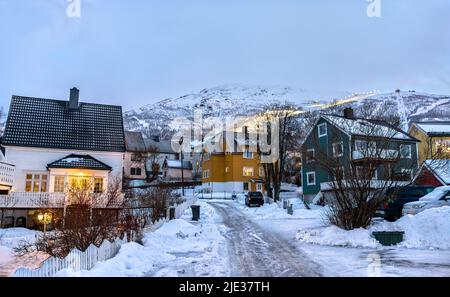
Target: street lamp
(182, 171)
(44, 218)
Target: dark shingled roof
(79, 162)
(47, 123)
(134, 142)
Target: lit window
(311, 178)
(338, 149)
(405, 151)
(322, 129)
(59, 184)
(227, 169)
(98, 185)
(247, 171)
(36, 183)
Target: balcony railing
(52, 200)
(6, 174)
(375, 155)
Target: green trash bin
(195, 212)
(389, 237)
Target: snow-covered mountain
(234, 100)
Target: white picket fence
(76, 260)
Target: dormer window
(322, 129)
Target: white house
(49, 143)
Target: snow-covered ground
(179, 248)
(424, 252)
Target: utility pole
(182, 165)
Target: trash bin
(172, 213)
(290, 209)
(389, 237)
(195, 212)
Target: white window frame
(409, 171)
(410, 151)
(259, 187)
(307, 178)
(334, 145)
(55, 190)
(96, 178)
(326, 129)
(40, 180)
(314, 155)
(343, 173)
(248, 167)
(206, 173)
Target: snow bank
(428, 229)
(178, 248)
(12, 237)
(6, 255)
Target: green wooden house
(343, 146)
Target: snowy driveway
(256, 252)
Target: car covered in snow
(439, 197)
(254, 199)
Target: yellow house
(434, 139)
(234, 168)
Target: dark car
(399, 196)
(254, 198)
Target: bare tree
(358, 185)
(286, 116)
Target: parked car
(254, 198)
(399, 196)
(439, 197)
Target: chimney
(348, 113)
(74, 97)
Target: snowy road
(256, 252)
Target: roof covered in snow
(435, 128)
(79, 162)
(134, 142)
(48, 123)
(366, 127)
(440, 168)
(163, 146)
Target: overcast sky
(137, 52)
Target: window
(136, 157)
(247, 171)
(259, 187)
(310, 155)
(322, 129)
(36, 183)
(248, 154)
(98, 184)
(311, 178)
(59, 186)
(135, 171)
(261, 171)
(206, 174)
(206, 156)
(227, 169)
(246, 186)
(338, 149)
(405, 151)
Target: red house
(434, 173)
